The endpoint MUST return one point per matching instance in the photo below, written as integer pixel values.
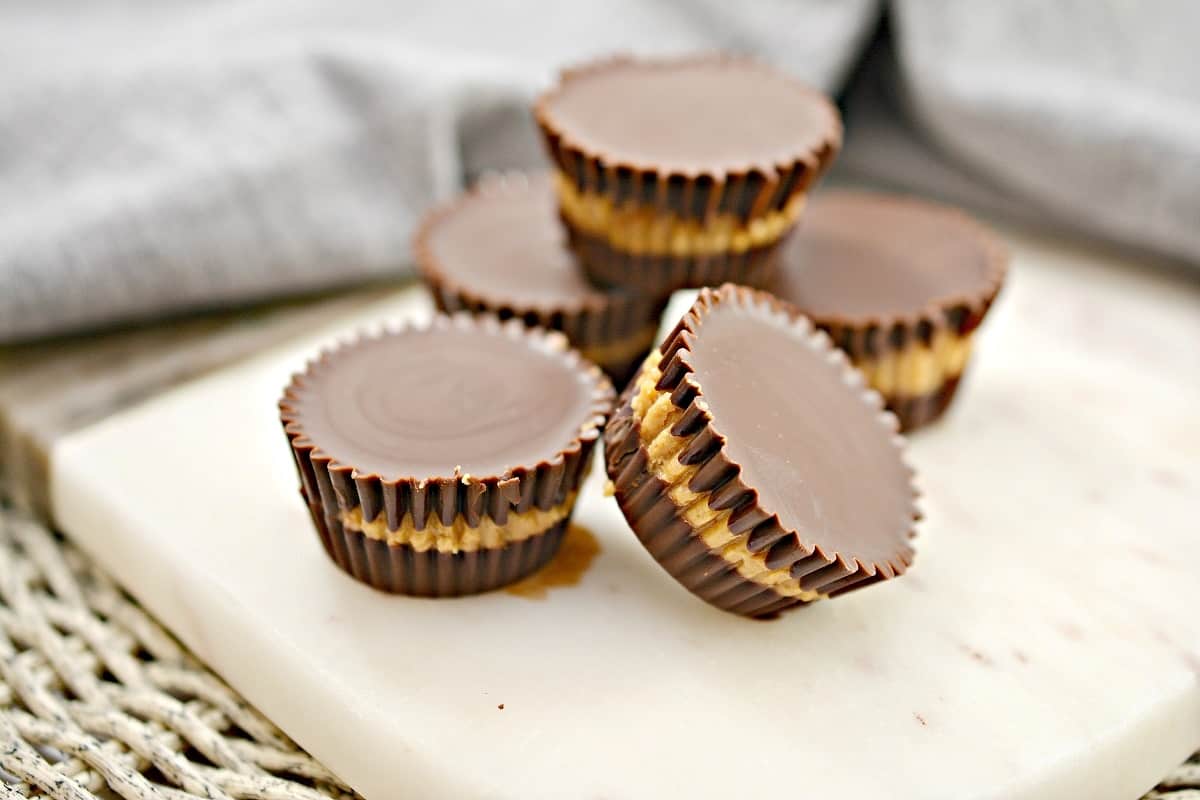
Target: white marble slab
(1046, 645)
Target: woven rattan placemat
(99, 701)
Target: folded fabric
(158, 158)
(1080, 115)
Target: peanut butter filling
(641, 230)
(459, 537)
(656, 415)
(621, 351)
(918, 369)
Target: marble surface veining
(1046, 644)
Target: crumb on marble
(1070, 631)
(977, 655)
(1149, 556)
(920, 719)
(1164, 476)
(501, 706)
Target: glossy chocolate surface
(806, 441)
(427, 403)
(712, 114)
(866, 256)
(507, 244)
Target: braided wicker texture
(98, 702)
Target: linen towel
(160, 157)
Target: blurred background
(165, 157)
(187, 183)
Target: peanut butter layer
(459, 536)
(656, 415)
(804, 435)
(644, 230)
(464, 416)
(917, 368)
(901, 285)
(753, 463)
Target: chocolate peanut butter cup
(501, 249)
(901, 285)
(444, 459)
(678, 172)
(755, 465)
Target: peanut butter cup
(444, 459)
(754, 464)
(901, 285)
(501, 249)
(679, 172)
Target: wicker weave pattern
(98, 701)
(1183, 783)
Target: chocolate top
(867, 257)
(460, 397)
(697, 114)
(818, 453)
(505, 242)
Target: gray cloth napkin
(158, 157)
(1078, 114)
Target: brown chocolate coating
(501, 249)
(459, 420)
(667, 535)
(782, 433)
(506, 244)
(695, 114)
(430, 573)
(921, 410)
(868, 257)
(659, 275)
(814, 453)
(445, 400)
